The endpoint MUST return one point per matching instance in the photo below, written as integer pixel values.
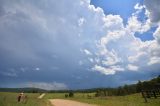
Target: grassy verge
(10, 99)
(129, 100)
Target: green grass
(129, 100)
(54, 96)
(10, 99)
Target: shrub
(71, 94)
(66, 95)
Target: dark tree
(71, 94)
(139, 86)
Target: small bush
(71, 94)
(66, 95)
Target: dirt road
(62, 102)
(41, 96)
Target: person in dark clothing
(19, 97)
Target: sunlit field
(10, 99)
(129, 100)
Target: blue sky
(123, 8)
(78, 44)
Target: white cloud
(91, 60)
(111, 58)
(138, 6)
(47, 86)
(37, 69)
(134, 25)
(132, 67)
(103, 70)
(130, 53)
(113, 22)
(107, 70)
(87, 52)
(154, 60)
(157, 34)
(153, 11)
(81, 21)
(136, 57)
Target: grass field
(10, 99)
(130, 100)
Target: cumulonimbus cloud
(74, 35)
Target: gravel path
(41, 96)
(62, 102)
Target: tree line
(119, 91)
(130, 89)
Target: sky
(78, 44)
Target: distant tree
(71, 94)
(126, 89)
(101, 92)
(158, 79)
(34, 91)
(139, 86)
(66, 95)
(120, 91)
